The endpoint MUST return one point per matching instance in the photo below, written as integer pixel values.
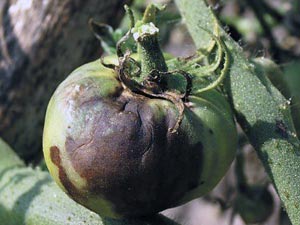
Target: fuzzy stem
(150, 14)
(151, 55)
(145, 34)
(260, 109)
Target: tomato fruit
(124, 152)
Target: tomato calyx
(153, 86)
(150, 76)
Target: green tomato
(112, 151)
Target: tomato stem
(145, 33)
(151, 56)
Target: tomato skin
(112, 151)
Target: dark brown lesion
(63, 177)
(139, 166)
(155, 86)
(142, 169)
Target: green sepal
(109, 37)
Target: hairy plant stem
(262, 111)
(145, 34)
(151, 56)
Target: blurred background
(42, 41)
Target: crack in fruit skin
(111, 150)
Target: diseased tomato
(126, 148)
